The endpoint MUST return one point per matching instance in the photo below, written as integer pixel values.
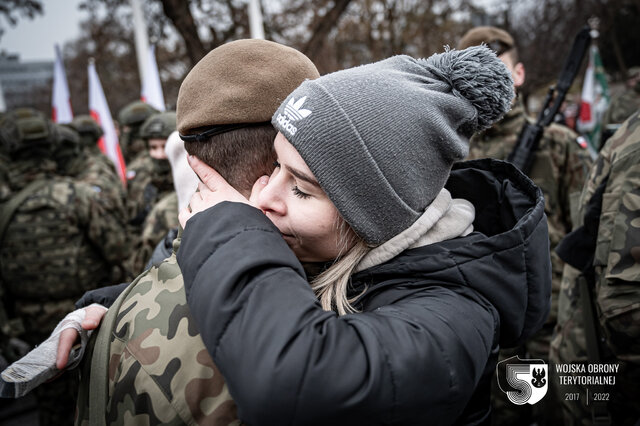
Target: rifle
(530, 135)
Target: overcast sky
(34, 39)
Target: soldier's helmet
(135, 113)
(68, 140)
(27, 130)
(88, 129)
(159, 126)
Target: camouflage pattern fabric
(162, 218)
(559, 168)
(617, 292)
(100, 171)
(62, 241)
(622, 106)
(159, 369)
(145, 185)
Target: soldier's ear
(518, 75)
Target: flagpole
(142, 42)
(256, 25)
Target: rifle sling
(599, 411)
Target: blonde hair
(332, 285)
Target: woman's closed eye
(299, 193)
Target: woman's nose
(270, 198)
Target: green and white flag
(595, 99)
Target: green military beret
(238, 83)
(498, 40)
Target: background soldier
(58, 240)
(623, 105)
(152, 181)
(604, 250)
(130, 119)
(100, 170)
(559, 168)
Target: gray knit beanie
(381, 138)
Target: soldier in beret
(224, 108)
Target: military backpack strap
(98, 389)
(9, 208)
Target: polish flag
(60, 101)
(151, 87)
(588, 97)
(99, 110)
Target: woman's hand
(212, 190)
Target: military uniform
(162, 218)
(616, 271)
(96, 168)
(624, 105)
(149, 180)
(559, 168)
(159, 369)
(84, 165)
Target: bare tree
(26, 8)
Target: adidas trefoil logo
(293, 111)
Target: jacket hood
(506, 259)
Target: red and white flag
(99, 110)
(60, 100)
(151, 87)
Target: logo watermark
(525, 381)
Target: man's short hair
(241, 155)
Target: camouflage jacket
(100, 171)
(622, 106)
(162, 218)
(559, 169)
(617, 266)
(63, 240)
(159, 369)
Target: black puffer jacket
(423, 349)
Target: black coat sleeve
(286, 361)
(104, 296)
